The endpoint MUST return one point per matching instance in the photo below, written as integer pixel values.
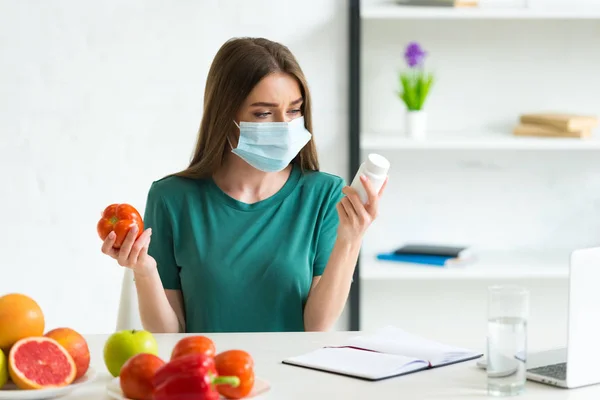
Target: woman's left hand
(355, 218)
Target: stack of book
(428, 254)
(556, 125)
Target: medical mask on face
(271, 146)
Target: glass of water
(508, 311)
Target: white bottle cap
(377, 164)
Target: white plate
(11, 392)
(113, 388)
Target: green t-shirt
(243, 267)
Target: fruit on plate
(119, 218)
(76, 345)
(235, 363)
(3, 369)
(20, 317)
(193, 376)
(40, 363)
(123, 345)
(137, 374)
(193, 345)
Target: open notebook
(387, 353)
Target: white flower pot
(416, 124)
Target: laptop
(577, 364)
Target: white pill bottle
(375, 168)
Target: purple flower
(414, 54)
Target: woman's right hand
(133, 253)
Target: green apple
(123, 345)
(3, 369)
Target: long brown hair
(238, 66)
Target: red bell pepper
(190, 377)
(184, 364)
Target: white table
(460, 381)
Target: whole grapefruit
(76, 345)
(20, 317)
(40, 363)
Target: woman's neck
(247, 184)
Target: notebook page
(392, 340)
(359, 363)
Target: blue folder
(436, 261)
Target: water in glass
(506, 353)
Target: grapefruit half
(40, 363)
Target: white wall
(487, 71)
(491, 200)
(100, 99)
(447, 310)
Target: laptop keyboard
(556, 371)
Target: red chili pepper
(236, 363)
(191, 377)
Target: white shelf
(394, 11)
(486, 266)
(474, 142)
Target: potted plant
(415, 84)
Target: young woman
(251, 236)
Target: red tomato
(194, 345)
(235, 363)
(119, 218)
(136, 376)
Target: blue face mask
(271, 146)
